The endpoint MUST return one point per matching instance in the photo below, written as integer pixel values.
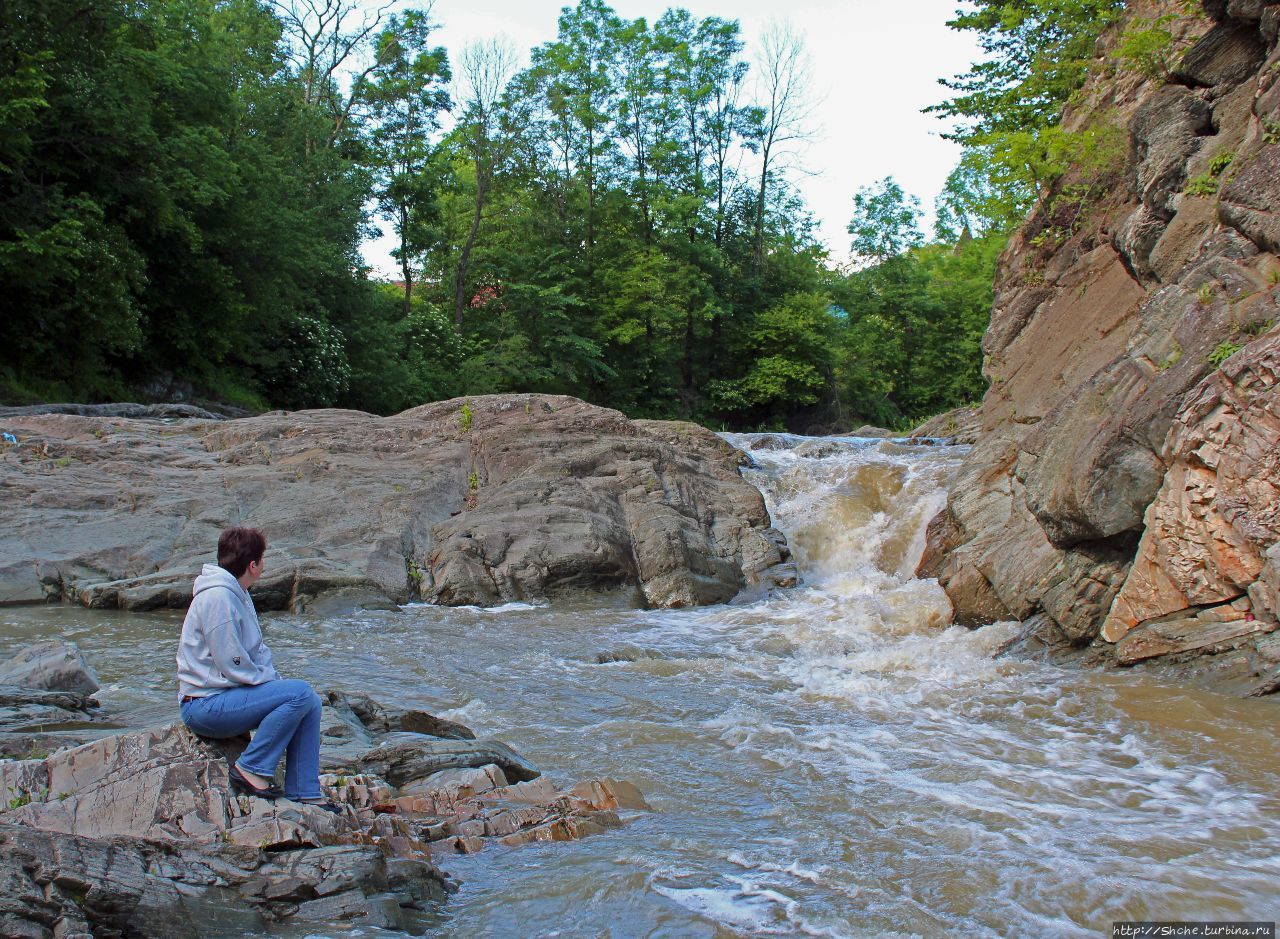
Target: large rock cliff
(1123, 489)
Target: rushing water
(830, 761)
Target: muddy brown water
(831, 761)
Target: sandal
(241, 785)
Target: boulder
(121, 409)
(1228, 54)
(1249, 201)
(64, 885)
(404, 757)
(1212, 629)
(50, 666)
(476, 501)
(957, 426)
(1166, 130)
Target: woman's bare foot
(259, 782)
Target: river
(829, 761)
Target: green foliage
(183, 194)
(1006, 108)
(911, 346)
(1207, 183)
(1224, 351)
(1202, 185)
(885, 221)
(1036, 55)
(1147, 47)
(161, 224)
(399, 361)
(789, 348)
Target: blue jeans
(286, 714)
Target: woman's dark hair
(239, 546)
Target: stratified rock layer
(138, 833)
(480, 501)
(1132, 358)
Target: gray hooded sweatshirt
(221, 644)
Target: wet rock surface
(477, 501)
(138, 833)
(957, 426)
(1124, 476)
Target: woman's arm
(231, 657)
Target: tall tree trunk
(760, 201)
(464, 256)
(406, 270)
(686, 366)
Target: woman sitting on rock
(228, 686)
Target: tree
(576, 77)
(407, 95)
(324, 40)
(1006, 108)
(885, 221)
(488, 135)
(782, 118)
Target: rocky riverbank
(472, 501)
(137, 832)
(1121, 496)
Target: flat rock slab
(477, 501)
(1194, 631)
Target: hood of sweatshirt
(214, 576)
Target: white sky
(874, 66)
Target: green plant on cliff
(1224, 351)
(1148, 47)
(465, 417)
(1207, 183)
(1203, 185)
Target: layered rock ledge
(1122, 493)
(471, 501)
(137, 833)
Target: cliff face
(1123, 489)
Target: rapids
(829, 761)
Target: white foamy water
(833, 760)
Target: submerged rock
(52, 666)
(477, 501)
